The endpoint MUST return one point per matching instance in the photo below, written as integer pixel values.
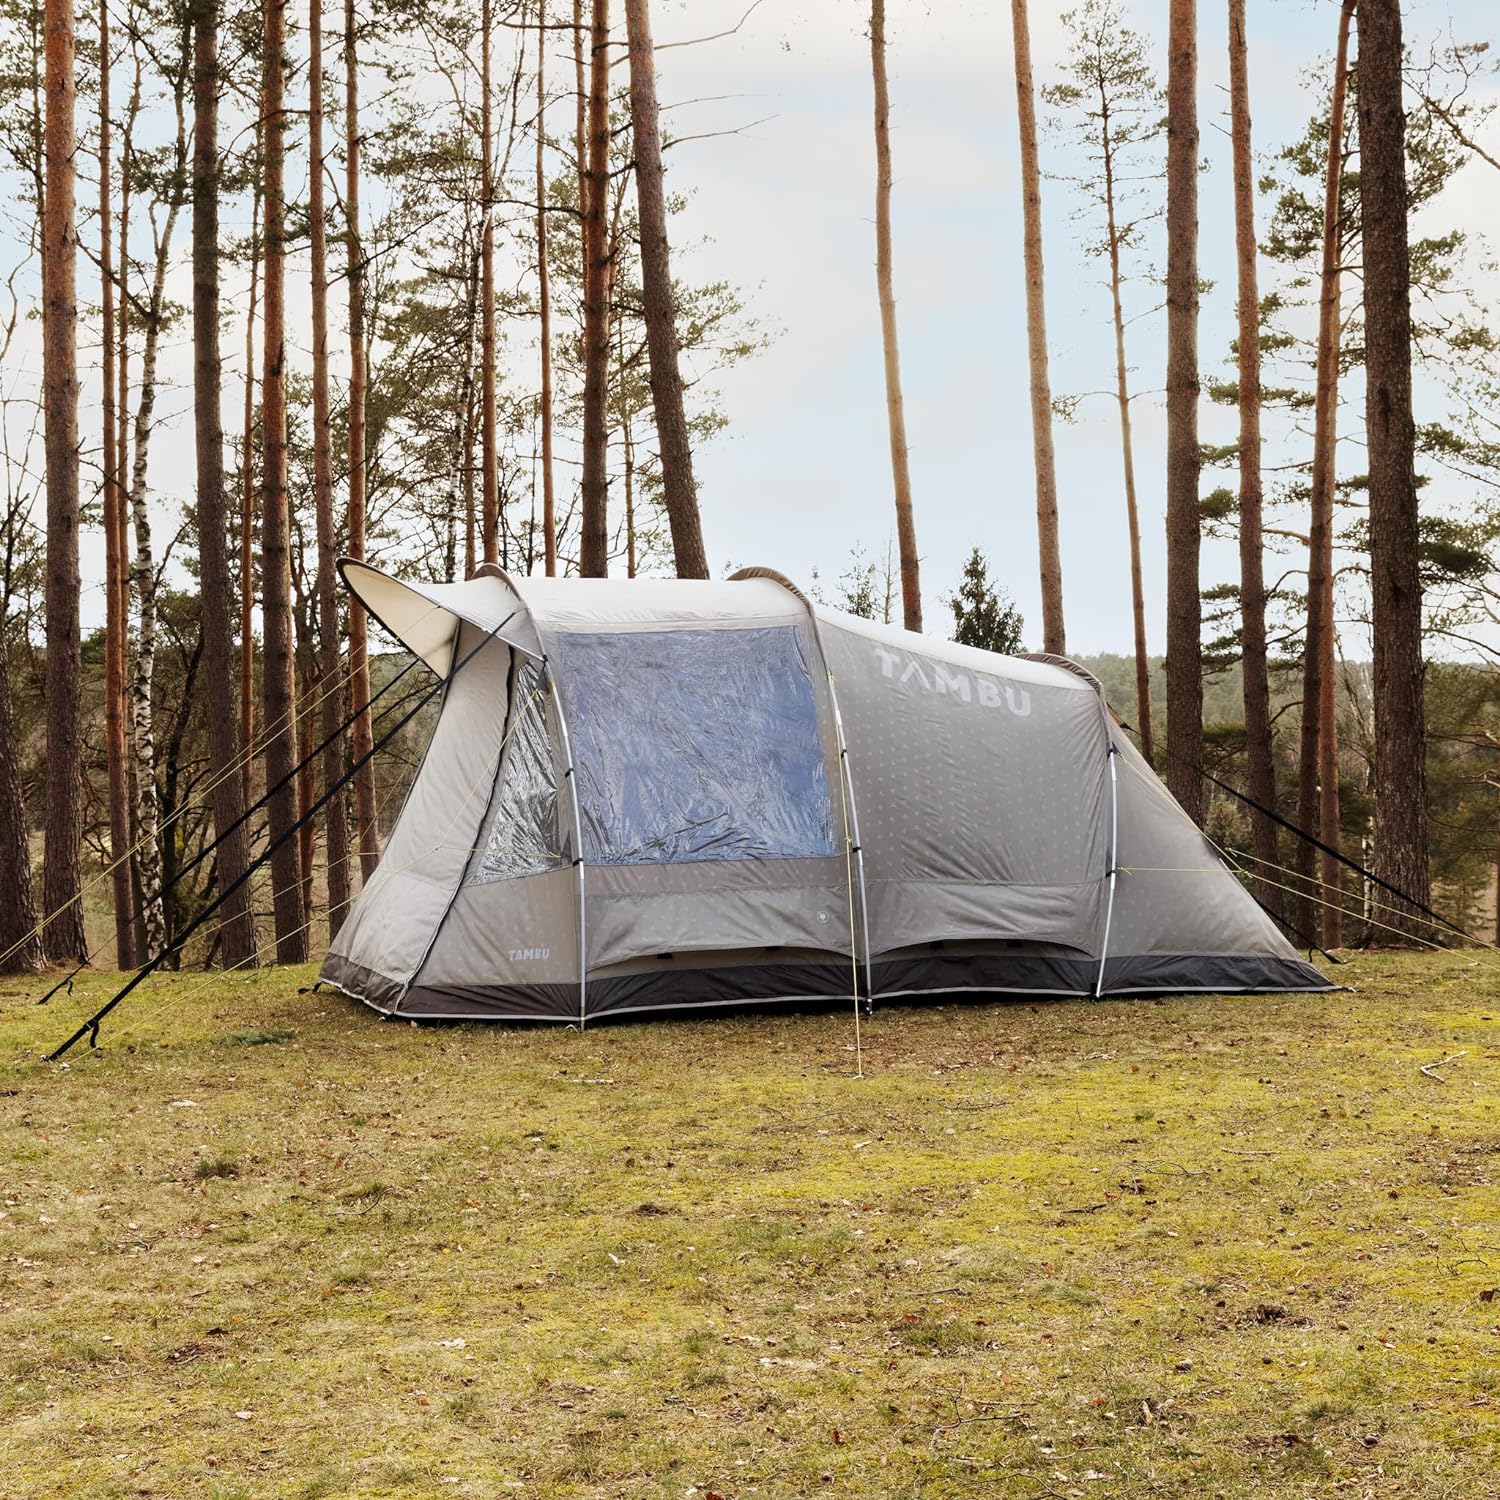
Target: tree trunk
(593, 545)
(1318, 792)
(581, 104)
(1184, 604)
(906, 529)
(627, 449)
(20, 942)
(1257, 691)
(116, 622)
(362, 738)
(489, 500)
(247, 488)
(544, 299)
(122, 471)
(143, 570)
(680, 492)
(1127, 444)
(335, 819)
(1395, 583)
(306, 657)
(463, 417)
(279, 689)
(1054, 636)
(237, 930)
(62, 877)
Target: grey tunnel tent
(653, 795)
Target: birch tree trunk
(1256, 687)
(489, 503)
(143, 569)
(62, 878)
(906, 530)
(1054, 635)
(680, 492)
(593, 547)
(544, 299)
(116, 623)
(330, 682)
(279, 689)
(237, 930)
(1318, 791)
(1395, 583)
(1184, 603)
(362, 739)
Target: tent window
(696, 745)
(523, 837)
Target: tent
(662, 794)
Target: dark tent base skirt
(680, 988)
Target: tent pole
(1113, 872)
(858, 850)
(572, 780)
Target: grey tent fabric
(678, 795)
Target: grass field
(262, 1244)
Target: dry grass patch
(263, 1245)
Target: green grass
(263, 1245)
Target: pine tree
(1395, 580)
(906, 531)
(984, 614)
(1184, 605)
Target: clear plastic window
(523, 837)
(696, 745)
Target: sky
(776, 156)
(787, 209)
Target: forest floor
(263, 1245)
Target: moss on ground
(264, 1245)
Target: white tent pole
(1112, 754)
(572, 780)
(859, 852)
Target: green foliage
(984, 614)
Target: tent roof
(424, 616)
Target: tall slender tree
(143, 571)
(62, 874)
(237, 931)
(593, 546)
(361, 734)
(247, 478)
(1256, 680)
(895, 407)
(115, 627)
(1115, 102)
(330, 676)
(1318, 790)
(680, 493)
(544, 300)
(1184, 603)
(278, 691)
(1054, 635)
(1395, 582)
(489, 507)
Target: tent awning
(425, 617)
